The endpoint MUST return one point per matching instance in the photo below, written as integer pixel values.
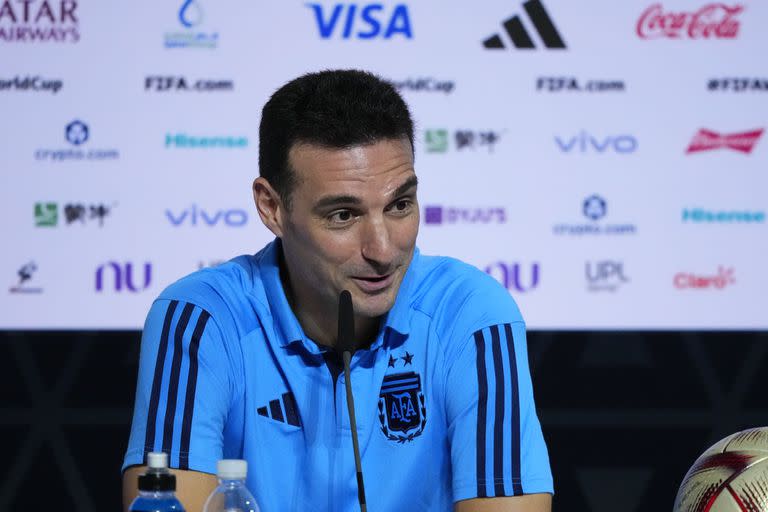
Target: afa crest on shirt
(402, 409)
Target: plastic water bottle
(231, 495)
(157, 487)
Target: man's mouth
(374, 283)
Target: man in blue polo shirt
(238, 361)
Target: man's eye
(340, 217)
(402, 205)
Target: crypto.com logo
(76, 132)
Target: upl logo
(198, 216)
(362, 21)
(585, 142)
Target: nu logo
(365, 21)
(520, 36)
(510, 276)
(123, 276)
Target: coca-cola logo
(713, 20)
(688, 280)
(708, 140)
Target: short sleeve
(497, 447)
(184, 388)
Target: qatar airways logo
(708, 140)
(717, 281)
(712, 21)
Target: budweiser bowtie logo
(707, 140)
(711, 21)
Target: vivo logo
(123, 276)
(365, 21)
(584, 143)
(196, 215)
(605, 275)
(514, 276)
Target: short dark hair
(334, 109)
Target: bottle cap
(157, 460)
(232, 469)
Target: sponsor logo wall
(603, 161)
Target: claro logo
(718, 281)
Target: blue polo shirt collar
(287, 326)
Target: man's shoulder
(453, 292)
(230, 292)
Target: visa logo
(196, 215)
(364, 21)
(584, 142)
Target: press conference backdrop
(605, 161)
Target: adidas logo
(282, 409)
(519, 35)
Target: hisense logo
(700, 215)
(184, 141)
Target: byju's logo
(692, 281)
(424, 85)
(47, 214)
(708, 140)
(521, 38)
(76, 133)
(573, 84)
(737, 84)
(48, 21)
(191, 16)
(123, 278)
(714, 20)
(180, 84)
(438, 140)
(585, 142)
(515, 277)
(184, 141)
(25, 274)
(362, 21)
(435, 215)
(31, 83)
(605, 275)
(198, 216)
(594, 208)
(702, 216)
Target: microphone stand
(346, 335)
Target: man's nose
(376, 246)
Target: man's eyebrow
(405, 187)
(329, 201)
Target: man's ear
(269, 206)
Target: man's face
(352, 225)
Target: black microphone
(346, 344)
